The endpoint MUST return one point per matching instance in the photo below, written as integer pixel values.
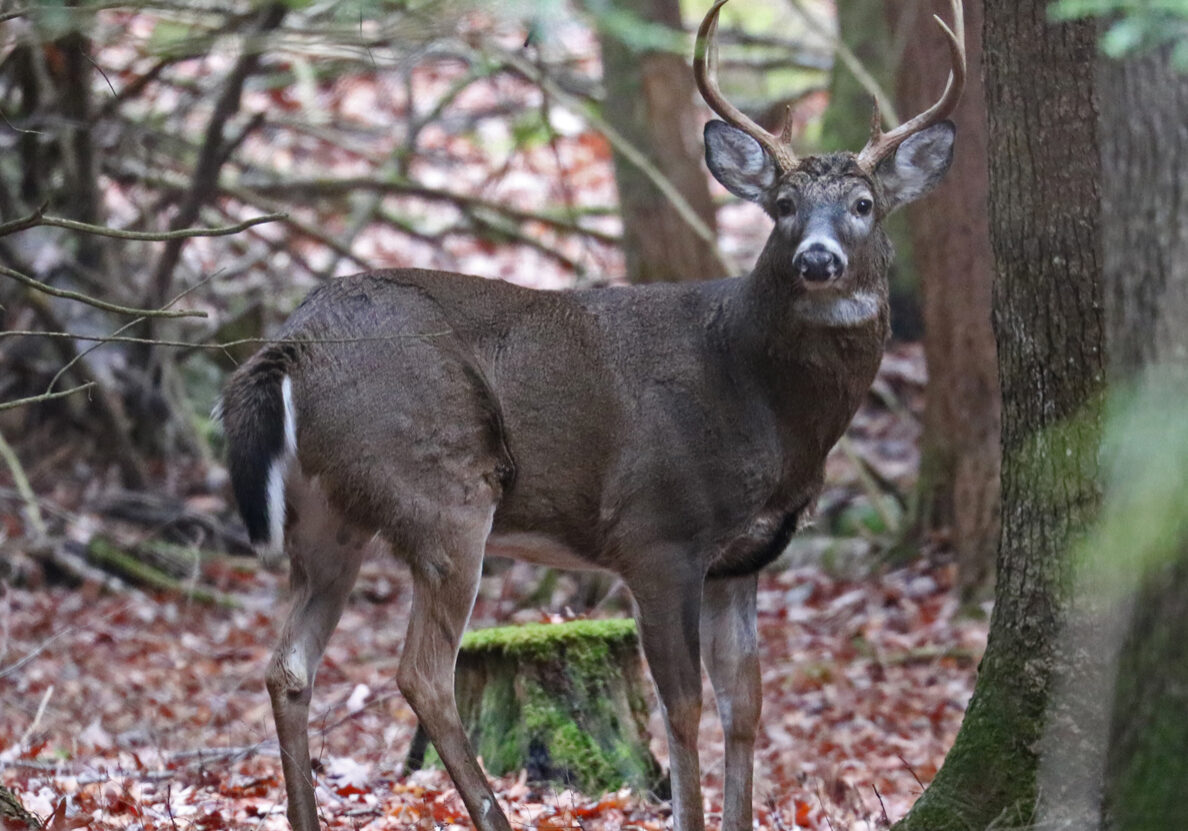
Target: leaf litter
(149, 713)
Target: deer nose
(817, 264)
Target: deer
(674, 435)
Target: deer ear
(738, 161)
(918, 164)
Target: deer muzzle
(819, 261)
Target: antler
(883, 144)
(705, 59)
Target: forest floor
(140, 712)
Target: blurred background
(547, 143)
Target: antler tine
(883, 144)
(705, 72)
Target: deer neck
(807, 348)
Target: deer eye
(785, 206)
(863, 206)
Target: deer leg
(445, 581)
(667, 617)
(730, 650)
(325, 556)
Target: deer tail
(260, 424)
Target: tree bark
(563, 701)
(958, 489)
(1144, 159)
(1145, 242)
(13, 814)
(650, 99)
(1045, 229)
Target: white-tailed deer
(671, 434)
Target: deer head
(828, 208)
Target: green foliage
(1135, 26)
(637, 34)
(1143, 525)
(530, 130)
(862, 518)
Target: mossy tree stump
(564, 701)
(13, 814)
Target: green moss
(540, 641)
(501, 740)
(988, 779)
(548, 697)
(573, 752)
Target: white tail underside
(271, 551)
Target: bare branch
(204, 183)
(163, 236)
(852, 62)
(15, 13)
(181, 344)
(37, 218)
(628, 150)
(337, 187)
(32, 510)
(45, 288)
(249, 197)
(45, 396)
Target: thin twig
(32, 728)
(873, 492)
(882, 807)
(567, 196)
(852, 63)
(205, 179)
(45, 288)
(300, 188)
(37, 218)
(32, 510)
(134, 322)
(45, 396)
(824, 811)
(180, 344)
(625, 148)
(910, 770)
(133, 88)
(82, 354)
(249, 197)
(14, 13)
(61, 633)
(30, 221)
(169, 804)
(774, 811)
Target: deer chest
(760, 544)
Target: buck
(674, 435)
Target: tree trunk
(1144, 159)
(1045, 230)
(13, 814)
(650, 99)
(862, 28)
(959, 455)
